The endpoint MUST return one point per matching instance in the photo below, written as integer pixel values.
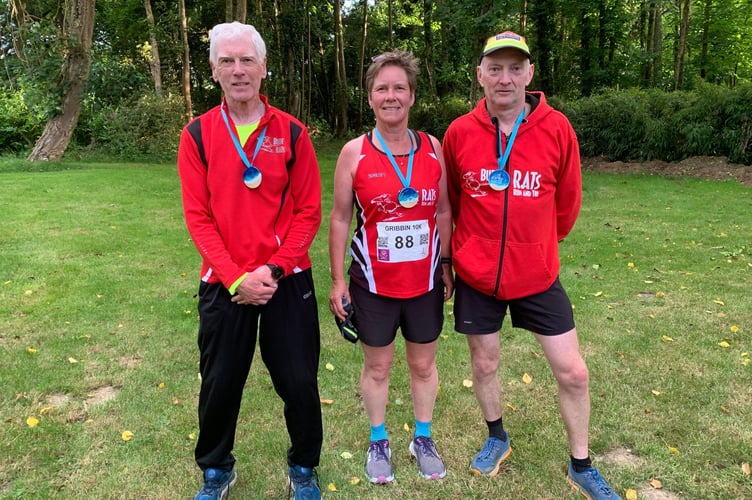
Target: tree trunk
(361, 71)
(305, 66)
(657, 54)
(186, 75)
(154, 63)
(682, 44)
(428, 51)
(390, 26)
(586, 51)
(545, 30)
(77, 30)
(341, 76)
(705, 40)
(236, 10)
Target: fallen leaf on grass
(331, 487)
(734, 329)
(673, 450)
(346, 455)
(126, 436)
(655, 393)
(510, 406)
(32, 422)
(724, 344)
(746, 469)
(192, 436)
(354, 480)
(666, 338)
(656, 483)
(467, 383)
(72, 361)
(326, 401)
(719, 302)
(330, 367)
(527, 378)
(630, 494)
(31, 350)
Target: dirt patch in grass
(624, 457)
(703, 167)
(101, 395)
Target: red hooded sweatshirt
(505, 243)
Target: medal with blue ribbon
(408, 196)
(499, 179)
(251, 174)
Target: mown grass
(98, 336)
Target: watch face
(277, 272)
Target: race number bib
(402, 241)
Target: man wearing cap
(514, 180)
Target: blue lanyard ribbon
(503, 156)
(237, 142)
(405, 180)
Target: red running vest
(395, 250)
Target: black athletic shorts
(545, 313)
(377, 317)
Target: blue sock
(379, 432)
(422, 429)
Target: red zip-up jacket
(237, 229)
(505, 243)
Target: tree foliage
(580, 49)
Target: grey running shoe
(430, 464)
(379, 462)
(491, 455)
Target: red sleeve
(453, 184)
(568, 184)
(198, 219)
(305, 190)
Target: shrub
(18, 128)
(653, 124)
(146, 127)
(434, 117)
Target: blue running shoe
(590, 484)
(303, 483)
(430, 464)
(379, 462)
(216, 484)
(491, 455)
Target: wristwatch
(277, 272)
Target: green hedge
(634, 125)
(627, 125)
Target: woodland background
(639, 79)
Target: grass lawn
(99, 376)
